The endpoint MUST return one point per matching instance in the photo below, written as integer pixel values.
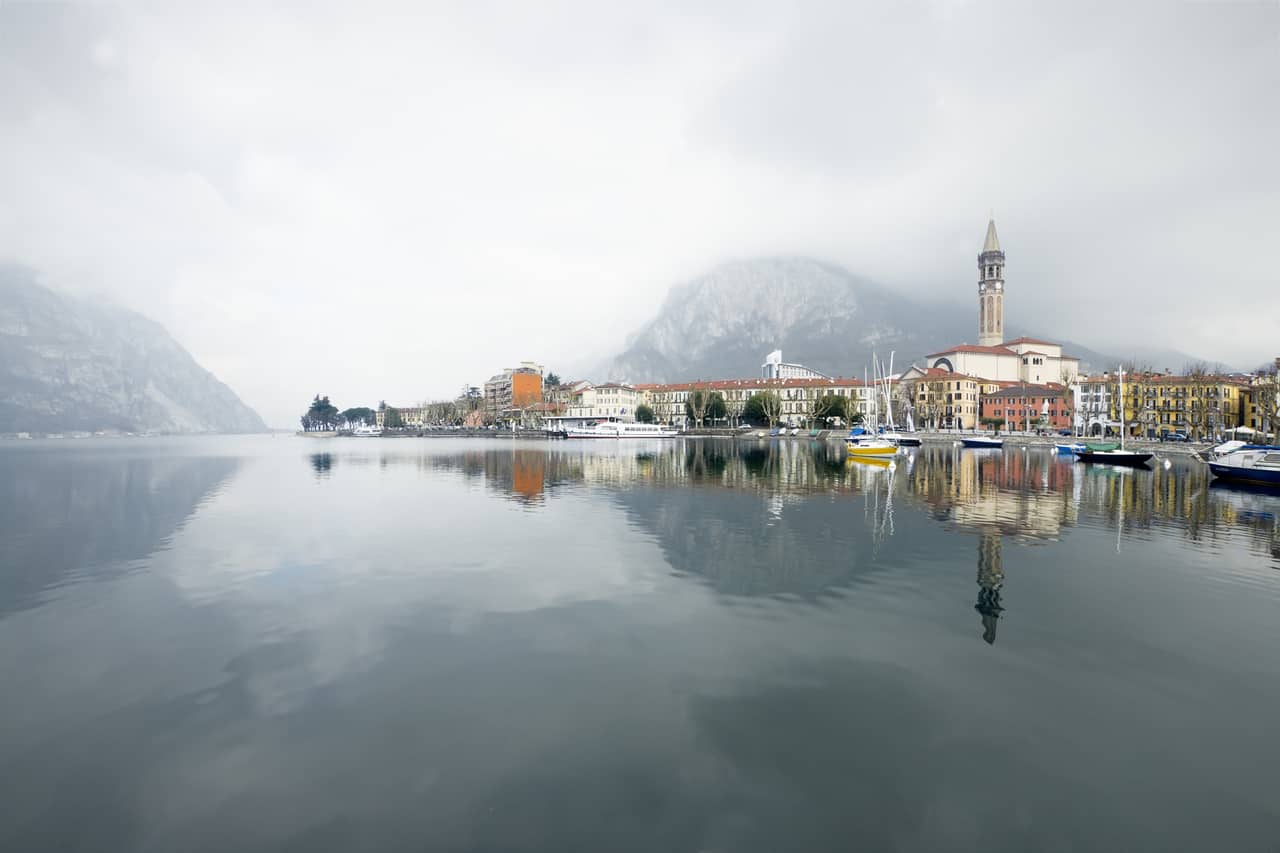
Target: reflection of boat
(871, 461)
(1249, 466)
(618, 429)
(871, 447)
(981, 441)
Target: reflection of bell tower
(990, 580)
(991, 290)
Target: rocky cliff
(68, 364)
(723, 323)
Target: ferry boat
(982, 441)
(619, 429)
(1260, 466)
(366, 432)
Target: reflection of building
(990, 582)
(775, 368)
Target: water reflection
(81, 514)
(321, 463)
(1034, 496)
(990, 582)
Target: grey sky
(387, 201)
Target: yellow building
(946, 400)
(1202, 406)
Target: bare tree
(1198, 410)
(771, 406)
(698, 403)
(1266, 397)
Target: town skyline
(411, 199)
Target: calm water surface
(292, 644)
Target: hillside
(723, 323)
(69, 364)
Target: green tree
(392, 419)
(762, 407)
(827, 407)
(716, 408)
(552, 380)
(358, 415)
(644, 414)
(322, 415)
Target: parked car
(1064, 432)
(1175, 436)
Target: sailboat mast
(1123, 425)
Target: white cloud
(388, 202)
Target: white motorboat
(1260, 466)
(619, 429)
(366, 432)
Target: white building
(775, 368)
(611, 400)
(1024, 360)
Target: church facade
(947, 391)
(1023, 360)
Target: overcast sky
(388, 201)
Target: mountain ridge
(721, 324)
(69, 364)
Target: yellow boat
(873, 448)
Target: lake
(256, 643)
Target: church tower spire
(991, 290)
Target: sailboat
(869, 444)
(1109, 454)
(891, 434)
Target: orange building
(526, 389)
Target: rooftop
(997, 350)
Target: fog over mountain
(389, 200)
(69, 364)
(722, 325)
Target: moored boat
(871, 447)
(982, 441)
(1068, 449)
(618, 429)
(1249, 466)
(901, 439)
(1110, 454)
(1117, 456)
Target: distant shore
(1167, 448)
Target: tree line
(323, 415)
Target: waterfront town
(997, 385)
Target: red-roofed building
(1028, 407)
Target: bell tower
(991, 290)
